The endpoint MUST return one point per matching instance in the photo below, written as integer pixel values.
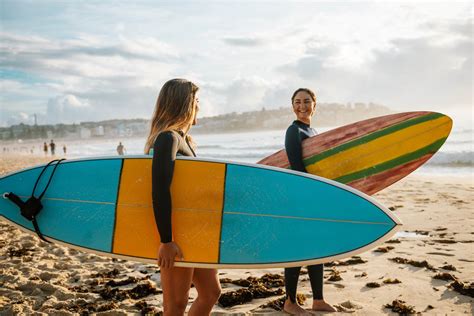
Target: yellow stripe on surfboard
(196, 226)
(382, 149)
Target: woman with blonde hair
(175, 113)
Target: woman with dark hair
(304, 106)
(175, 113)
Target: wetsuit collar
(298, 122)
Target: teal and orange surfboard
(371, 155)
(225, 215)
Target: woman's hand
(167, 254)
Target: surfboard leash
(31, 208)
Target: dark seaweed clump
(393, 208)
(384, 249)
(449, 267)
(335, 276)
(373, 284)
(268, 280)
(414, 263)
(146, 309)
(399, 306)
(463, 288)
(239, 282)
(363, 274)
(429, 307)
(12, 252)
(391, 281)
(350, 261)
(422, 232)
(139, 291)
(103, 283)
(242, 296)
(445, 277)
(106, 274)
(445, 241)
(255, 288)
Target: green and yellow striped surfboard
(372, 154)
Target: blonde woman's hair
(174, 110)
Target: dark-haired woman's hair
(309, 91)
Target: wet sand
(427, 268)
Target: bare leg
(209, 289)
(175, 283)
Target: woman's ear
(313, 110)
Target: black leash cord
(31, 208)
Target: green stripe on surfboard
(432, 148)
(370, 137)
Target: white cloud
(8, 118)
(423, 71)
(114, 61)
(68, 109)
(239, 95)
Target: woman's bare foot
(294, 308)
(321, 305)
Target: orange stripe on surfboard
(196, 232)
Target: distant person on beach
(45, 148)
(174, 114)
(52, 147)
(64, 150)
(304, 106)
(120, 149)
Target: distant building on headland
(327, 114)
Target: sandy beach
(428, 268)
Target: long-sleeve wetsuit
(167, 146)
(295, 134)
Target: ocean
(455, 157)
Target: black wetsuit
(295, 134)
(167, 146)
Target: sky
(71, 61)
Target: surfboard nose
(266, 211)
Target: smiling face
(304, 106)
